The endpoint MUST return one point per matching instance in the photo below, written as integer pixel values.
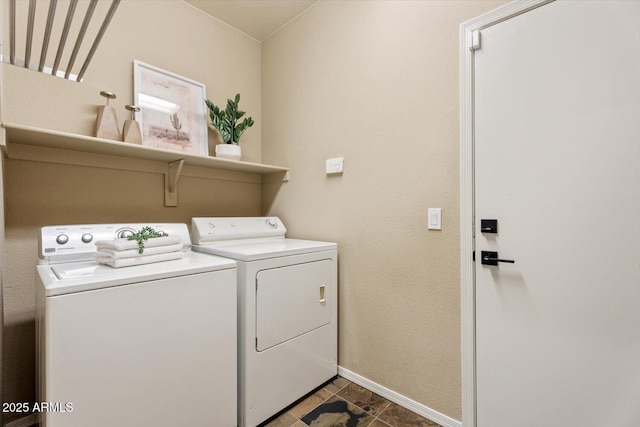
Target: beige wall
(347, 78)
(377, 83)
(170, 35)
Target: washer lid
(257, 249)
(67, 278)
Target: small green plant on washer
(144, 234)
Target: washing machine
(147, 345)
(287, 310)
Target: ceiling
(256, 18)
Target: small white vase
(228, 151)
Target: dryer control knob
(86, 237)
(271, 223)
(62, 239)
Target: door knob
(491, 258)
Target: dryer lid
(258, 249)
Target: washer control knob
(87, 237)
(124, 234)
(62, 239)
(271, 223)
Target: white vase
(228, 151)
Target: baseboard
(28, 421)
(399, 399)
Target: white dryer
(287, 310)
(148, 345)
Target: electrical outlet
(335, 165)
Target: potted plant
(226, 123)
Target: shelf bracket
(171, 182)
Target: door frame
(468, 31)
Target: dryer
(148, 345)
(287, 310)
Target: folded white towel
(130, 253)
(139, 260)
(125, 244)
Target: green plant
(226, 121)
(145, 233)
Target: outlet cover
(335, 166)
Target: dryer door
(293, 300)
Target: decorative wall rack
(15, 27)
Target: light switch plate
(335, 166)
(435, 219)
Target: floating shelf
(27, 135)
(19, 135)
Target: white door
(557, 164)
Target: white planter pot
(228, 151)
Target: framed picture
(172, 112)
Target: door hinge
(474, 256)
(474, 42)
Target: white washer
(287, 310)
(149, 345)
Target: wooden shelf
(27, 135)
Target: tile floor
(341, 403)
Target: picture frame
(172, 112)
